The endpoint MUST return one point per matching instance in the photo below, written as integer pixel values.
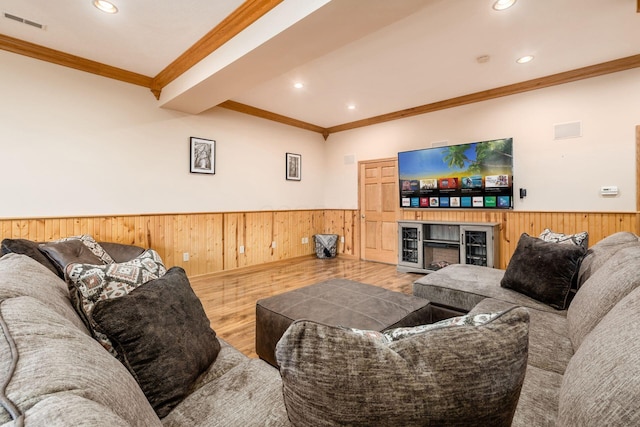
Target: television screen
(474, 175)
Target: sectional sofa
(584, 359)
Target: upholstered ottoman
(336, 302)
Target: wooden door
(379, 210)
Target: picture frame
(202, 157)
(293, 164)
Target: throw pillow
(163, 337)
(28, 248)
(544, 271)
(90, 283)
(467, 375)
(70, 251)
(579, 239)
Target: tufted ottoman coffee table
(337, 302)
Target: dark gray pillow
(462, 375)
(28, 248)
(544, 271)
(162, 335)
(63, 253)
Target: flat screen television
(478, 175)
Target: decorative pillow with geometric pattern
(578, 239)
(90, 283)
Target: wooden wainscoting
(513, 223)
(213, 240)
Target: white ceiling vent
(23, 20)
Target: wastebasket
(326, 245)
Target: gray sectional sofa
(584, 362)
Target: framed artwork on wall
(203, 155)
(294, 167)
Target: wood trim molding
(57, 57)
(614, 66)
(257, 112)
(245, 15)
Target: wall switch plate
(185, 256)
(273, 244)
(341, 239)
(241, 249)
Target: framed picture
(203, 155)
(294, 167)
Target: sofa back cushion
(599, 253)
(601, 385)
(46, 353)
(616, 278)
(21, 275)
(338, 376)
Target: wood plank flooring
(229, 298)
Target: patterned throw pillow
(578, 239)
(90, 283)
(396, 334)
(93, 246)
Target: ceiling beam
(57, 57)
(614, 66)
(245, 15)
(257, 112)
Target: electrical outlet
(185, 256)
(241, 250)
(273, 244)
(342, 239)
(305, 240)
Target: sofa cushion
(549, 345)
(335, 376)
(63, 253)
(599, 253)
(93, 246)
(28, 248)
(538, 403)
(121, 252)
(90, 283)
(463, 286)
(543, 270)
(53, 358)
(248, 395)
(602, 291)
(578, 239)
(21, 275)
(601, 386)
(162, 334)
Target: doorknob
(362, 216)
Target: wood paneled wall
(213, 240)
(513, 223)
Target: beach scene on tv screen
(472, 175)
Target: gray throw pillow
(162, 335)
(461, 374)
(544, 271)
(28, 248)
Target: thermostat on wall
(609, 190)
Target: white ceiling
(379, 55)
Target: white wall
(72, 143)
(562, 175)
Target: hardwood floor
(229, 298)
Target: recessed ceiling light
(298, 85)
(524, 59)
(351, 107)
(105, 6)
(503, 4)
